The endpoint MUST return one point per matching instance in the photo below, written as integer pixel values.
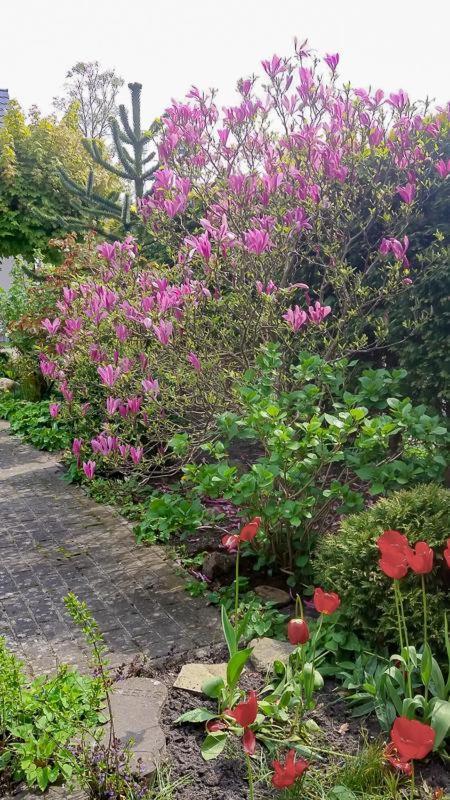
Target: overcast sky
(170, 44)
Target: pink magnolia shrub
(285, 216)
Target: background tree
(95, 94)
(34, 207)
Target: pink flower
(257, 241)
(332, 61)
(399, 100)
(407, 193)
(89, 469)
(51, 327)
(295, 318)
(134, 404)
(76, 446)
(122, 332)
(200, 244)
(443, 168)
(108, 375)
(317, 313)
(195, 361)
(273, 67)
(69, 295)
(124, 449)
(150, 386)
(136, 454)
(54, 409)
(270, 288)
(107, 251)
(112, 404)
(163, 331)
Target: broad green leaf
(236, 664)
(213, 687)
(440, 722)
(228, 632)
(213, 745)
(195, 715)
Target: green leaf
(426, 665)
(440, 721)
(213, 687)
(236, 664)
(228, 632)
(341, 793)
(213, 745)
(195, 715)
(42, 777)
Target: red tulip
(297, 631)
(392, 540)
(412, 739)
(250, 530)
(394, 564)
(286, 775)
(245, 713)
(392, 755)
(326, 602)
(420, 558)
(249, 742)
(231, 542)
(447, 553)
(214, 725)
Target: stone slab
(136, 705)
(193, 676)
(266, 651)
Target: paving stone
(193, 676)
(55, 539)
(272, 594)
(136, 704)
(266, 651)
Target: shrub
(317, 449)
(32, 421)
(285, 220)
(347, 562)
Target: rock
(266, 651)
(136, 704)
(193, 676)
(7, 385)
(273, 595)
(218, 565)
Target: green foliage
(347, 563)
(32, 421)
(318, 445)
(167, 514)
(32, 203)
(39, 720)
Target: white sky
(170, 44)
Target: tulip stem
(236, 586)
(412, 781)
(425, 625)
(405, 631)
(251, 793)
(399, 620)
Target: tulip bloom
(286, 775)
(393, 546)
(245, 712)
(392, 755)
(326, 602)
(297, 631)
(231, 541)
(411, 738)
(420, 558)
(447, 553)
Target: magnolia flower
(295, 318)
(257, 241)
(89, 469)
(108, 375)
(317, 313)
(195, 361)
(54, 409)
(136, 454)
(150, 386)
(407, 193)
(112, 405)
(51, 327)
(163, 331)
(332, 61)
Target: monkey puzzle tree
(135, 166)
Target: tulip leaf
(426, 664)
(437, 684)
(196, 715)
(236, 664)
(228, 632)
(213, 687)
(440, 722)
(213, 745)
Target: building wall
(5, 269)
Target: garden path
(54, 539)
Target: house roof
(4, 100)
